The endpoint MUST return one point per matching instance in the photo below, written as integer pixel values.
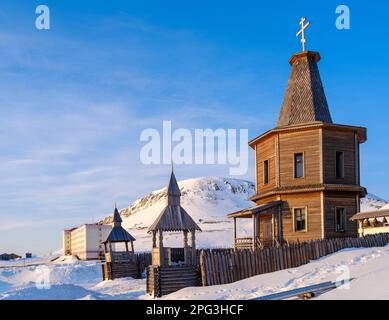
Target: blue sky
(74, 99)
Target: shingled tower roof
(118, 233)
(174, 217)
(305, 100)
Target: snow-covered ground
(71, 279)
(369, 267)
(66, 279)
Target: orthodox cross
(302, 31)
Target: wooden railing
(119, 257)
(247, 243)
(244, 243)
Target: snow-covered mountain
(371, 202)
(208, 200)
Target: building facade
(85, 242)
(307, 168)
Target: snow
(369, 267)
(385, 207)
(371, 203)
(83, 280)
(69, 279)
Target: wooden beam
(185, 239)
(193, 233)
(280, 225)
(234, 228)
(154, 239)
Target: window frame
(266, 182)
(294, 165)
(336, 165)
(305, 218)
(343, 219)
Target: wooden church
(307, 168)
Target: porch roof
(370, 214)
(262, 208)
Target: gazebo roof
(118, 233)
(174, 218)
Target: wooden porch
(266, 226)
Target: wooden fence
(227, 266)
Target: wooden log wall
(161, 281)
(134, 266)
(227, 266)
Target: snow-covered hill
(371, 202)
(208, 200)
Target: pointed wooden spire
(173, 191)
(117, 219)
(304, 100)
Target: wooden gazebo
(172, 268)
(119, 264)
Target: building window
(339, 164)
(299, 219)
(340, 218)
(266, 172)
(298, 165)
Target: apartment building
(85, 241)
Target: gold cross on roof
(302, 31)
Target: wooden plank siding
(348, 201)
(319, 146)
(266, 151)
(306, 142)
(342, 141)
(312, 203)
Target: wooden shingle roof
(119, 234)
(174, 218)
(304, 100)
